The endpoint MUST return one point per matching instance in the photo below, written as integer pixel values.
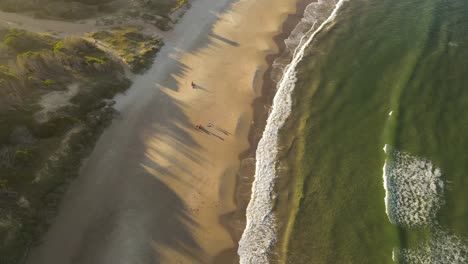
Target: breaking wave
(414, 189)
(414, 194)
(260, 233)
(443, 248)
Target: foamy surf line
(260, 233)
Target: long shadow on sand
(225, 40)
(211, 41)
(178, 69)
(160, 216)
(172, 223)
(206, 131)
(148, 207)
(125, 208)
(150, 218)
(199, 87)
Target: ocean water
(364, 158)
(375, 149)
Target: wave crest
(260, 233)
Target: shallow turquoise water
(405, 56)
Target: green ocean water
(405, 56)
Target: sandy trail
(67, 28)
(154, 188)
(60, 28)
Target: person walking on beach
(193, 85)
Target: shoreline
(260, 112)
(262, 232)
(267, 92)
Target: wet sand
(154, 190)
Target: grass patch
(20, 41)
(93, 60)
(179, 4)
(135, 49)
(5, 73)
(49, 82)
(31, 73)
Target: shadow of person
(199, 87)
(225, 40)
(210, 133)
(224, 131)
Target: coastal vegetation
(42, 141)
(132, 47)
(56, 98)
(107, 12)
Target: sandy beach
(154, 189)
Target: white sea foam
(443, 248)
(260, 232)
(413, 188)
(313, 14)
(414, 194)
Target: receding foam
(260, 233)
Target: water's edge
(260, 233)
(234, 222)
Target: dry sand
(155, 188)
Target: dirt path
(59, 28)
(65, 28)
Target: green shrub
(49, 82)
(23, 156)
(3, 183)
(59, 46)
(179, 4)
(94, 59)
(11, 35)
(76, 46)
(29, 54)
(21, 41)
(4, 68)
(5, 73)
